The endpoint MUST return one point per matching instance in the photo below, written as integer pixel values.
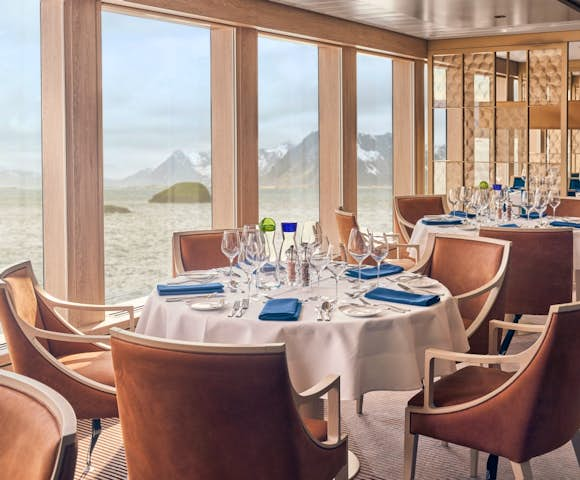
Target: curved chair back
(38, 435)
(409, 209)
(473, 269)
(215, 411)
(518, 183)
(540, 268)
(345, 222)
(198, 250)
(569, 207)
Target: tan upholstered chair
(38, 434)
(518, 415)
(346, 221)
(539, 270)
(221, 412)
(198, 250)
(409, 209)
(44, 346)
(473, 269)
(569, 207)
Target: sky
(156, 90)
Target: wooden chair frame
(329, 386)
(493, 286)
(522, 360)
(61, 410)
(405, 223)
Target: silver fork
(235, 308)
(386, 305)
(245, 306)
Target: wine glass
(358, 248)
(246, 265)
(464, 197)
(554, 201)
(335, 266)
(453, 199)
(527, 202)
(231, 247)
(379, 250)
(540, 204)
(319, 259)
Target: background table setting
(374, 338)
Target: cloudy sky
(156, 90)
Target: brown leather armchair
(473, 269)
(346, 221)
(518, 415)
(221, 412)
(33, 415)
(409, 209)
(44, 346)
(198, 250)
(569, 207)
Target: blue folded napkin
(281, 309)
(562, 223)
(533, 215)
(510, 225)
(461, 214)
(433, 221)
(399, 296)
(371, 272)
(190, 289)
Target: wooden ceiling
(438, 19)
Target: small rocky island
(183, 192)
(116, 209)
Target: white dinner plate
(207, 304)
(414, 281)
(359, 310)
(201, 275)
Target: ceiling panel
(434, 19)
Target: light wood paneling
(247, 126)
(403, 127)
(329, 75)
(349, 184)
(223, 122)
(419, 104)
(272, 17)
(72, 156)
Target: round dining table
(385, 351)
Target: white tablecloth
(421, 233)
(385, 352)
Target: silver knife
(235, 308)
(245, 306)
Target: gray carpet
(376, 438)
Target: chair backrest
(217, 411)
(575, 184)
(575, 175)
(518, 182)
(540, 404)
(409, 209)
(38, 434)
(464, 264)
(345, 222)
(198, 250)
(569, 207)
(540, 268)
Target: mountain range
(286, 164)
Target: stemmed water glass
(336, 267)
(527, 202)
(379, 249)
(358, 248)
(319, 259)
(231, 247)
(464, 197)
(246, 265)
(453, 199)
(540, 204)
(554, 201)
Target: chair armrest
(70, 337)
(479, 291)
(329, 385)
(496, 325)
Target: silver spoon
(327, 307)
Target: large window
(375, 142)
(157, 139)
(288, 130)
(20, 137)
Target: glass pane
(20, 139)
(157, 140)
(511, 136)
(439, 178)
(502, 174)
(478, 79)
(375, 142)
(288, 130)
(545, 76)
(479, 135)
(447, 81)
(511, 76)
(454, 175)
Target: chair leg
(411, 441)
(576, 445)
(95, 432)
(359, 404)
(522, 471)
(474, 460)
(343, 474)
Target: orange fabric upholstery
(412, 208)
(198, 251)
(464, 264)
(215, 416)
(29, 357)
(534, 414)
(540, 268)
(30, 439)
(569, 207)
(93, 365)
